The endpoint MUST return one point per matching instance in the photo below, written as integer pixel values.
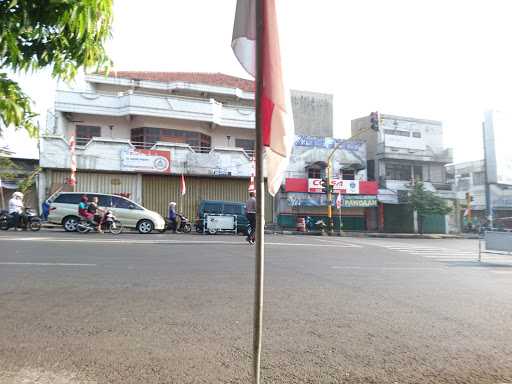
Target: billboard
(497, 140)
(146, 160)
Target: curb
(371, 235)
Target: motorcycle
(184, 225)
(32, 221)
(109, 224)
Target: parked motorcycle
(110, 224)
(184, 225)
(33, 222)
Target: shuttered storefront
(97, 182)
(158, 191)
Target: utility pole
(330, 187)
(488, 202)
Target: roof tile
(218, 79)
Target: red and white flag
(183, 186)
(276, 112)
(338, 201)
(72, 153)
(252, 188)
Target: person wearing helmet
(171, 216)
(16, 210)
(82, 208)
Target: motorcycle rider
(172, 217)
(95, 211)
(16, 210)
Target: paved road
(178, 309)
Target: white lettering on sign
(339, 186)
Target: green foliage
(425, 202)
(10, 171)
(63, 35)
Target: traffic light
(324, 185)
(374, 121)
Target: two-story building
(399, 151)
(138, 132)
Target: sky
(445, 60)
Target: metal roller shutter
(99, 182)
(158, 191)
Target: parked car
(224, 208)
(64, 210)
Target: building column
(381, 217)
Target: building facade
(302, 194)
(138, 132)
(400, 150)
(469, 178)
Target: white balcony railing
(125, 104)
(104, 154)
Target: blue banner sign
(327, 142)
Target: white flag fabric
(276, 112)
(338, 201)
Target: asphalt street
(169, 308)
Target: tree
(63, 35)
(426, 203)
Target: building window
(478, 178)
(314, 173)
(398, 171)
(246, 144)
(418, 172)
(348, 174)
(416, 134)
(84, 133)
(146, 137)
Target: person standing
(250, 213)
(16, 209)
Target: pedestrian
(250, 213)
(16, 209)
(172, 217)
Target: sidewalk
(371, 234)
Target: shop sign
(146, 160)
(304, 200)
(340, 186)
(359, 201)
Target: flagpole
(260, 209)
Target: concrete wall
(121, 127)
(312, 113)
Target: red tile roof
(218, 79)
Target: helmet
(172, 203)
(84, 198)
(18, 194)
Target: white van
(64, 210)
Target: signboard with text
(339, 186)
(146, 160)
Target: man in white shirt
(16, 208)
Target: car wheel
(145, 226)
(70, 223)
(212, 231)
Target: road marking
(339, 243)
(174, 242)
(50, 264)
(388, 268)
